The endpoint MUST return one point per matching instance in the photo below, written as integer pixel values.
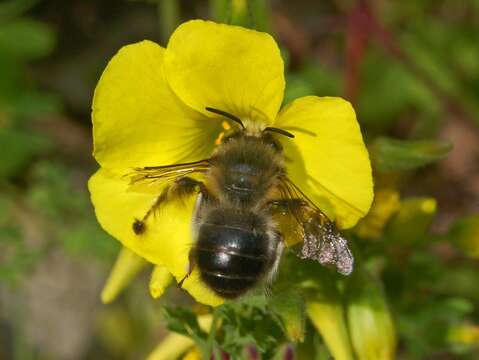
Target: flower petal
(168, 236)
(198, 290)
(225, 67)
(138, 121)
(327, 159)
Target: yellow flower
(386, 203)
(149, 110)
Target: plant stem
(168, 18)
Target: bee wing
(150, 178)
(321, 239)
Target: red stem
(357, 36)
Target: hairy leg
(180, 189)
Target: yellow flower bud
(412, 221)
(159, 281)
(126, 267)
(386, 203)
(371, 327)
(171, 347)
(463, 335)
(328, 319)
(193, 354)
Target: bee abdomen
(228, 272)
(232, 251)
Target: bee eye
(271, 141)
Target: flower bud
(371, 327)
(328, 318)
(463, 336)
(386, 204)
(193, 354)
(126, 267)
(159, 281)
(412, 221)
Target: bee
(243, 196)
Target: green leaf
(249, 321)
(296, 87)
(289, 304)
(253, 14)
(55, 195)
(12, 8)
(464, 233)
(457, 280)
(22, 147)
(397, 155)
(26, 39)
(383, 99)
(183, 321)
(34, 103)
(88, 239)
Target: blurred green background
(411, 69)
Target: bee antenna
(225, 114)
(279, 131)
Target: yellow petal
(138, 121)
(126, 267)
(159, 281)
(168, 236)
(327, 159)
(225, 67)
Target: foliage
(32, 190)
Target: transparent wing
(321, 239)
(150, 178)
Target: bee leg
(190, 270)
(139, 225)
(278, 251)
(180, 189)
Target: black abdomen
(232, 252)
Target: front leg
(180, 189)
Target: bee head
(265, 134)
